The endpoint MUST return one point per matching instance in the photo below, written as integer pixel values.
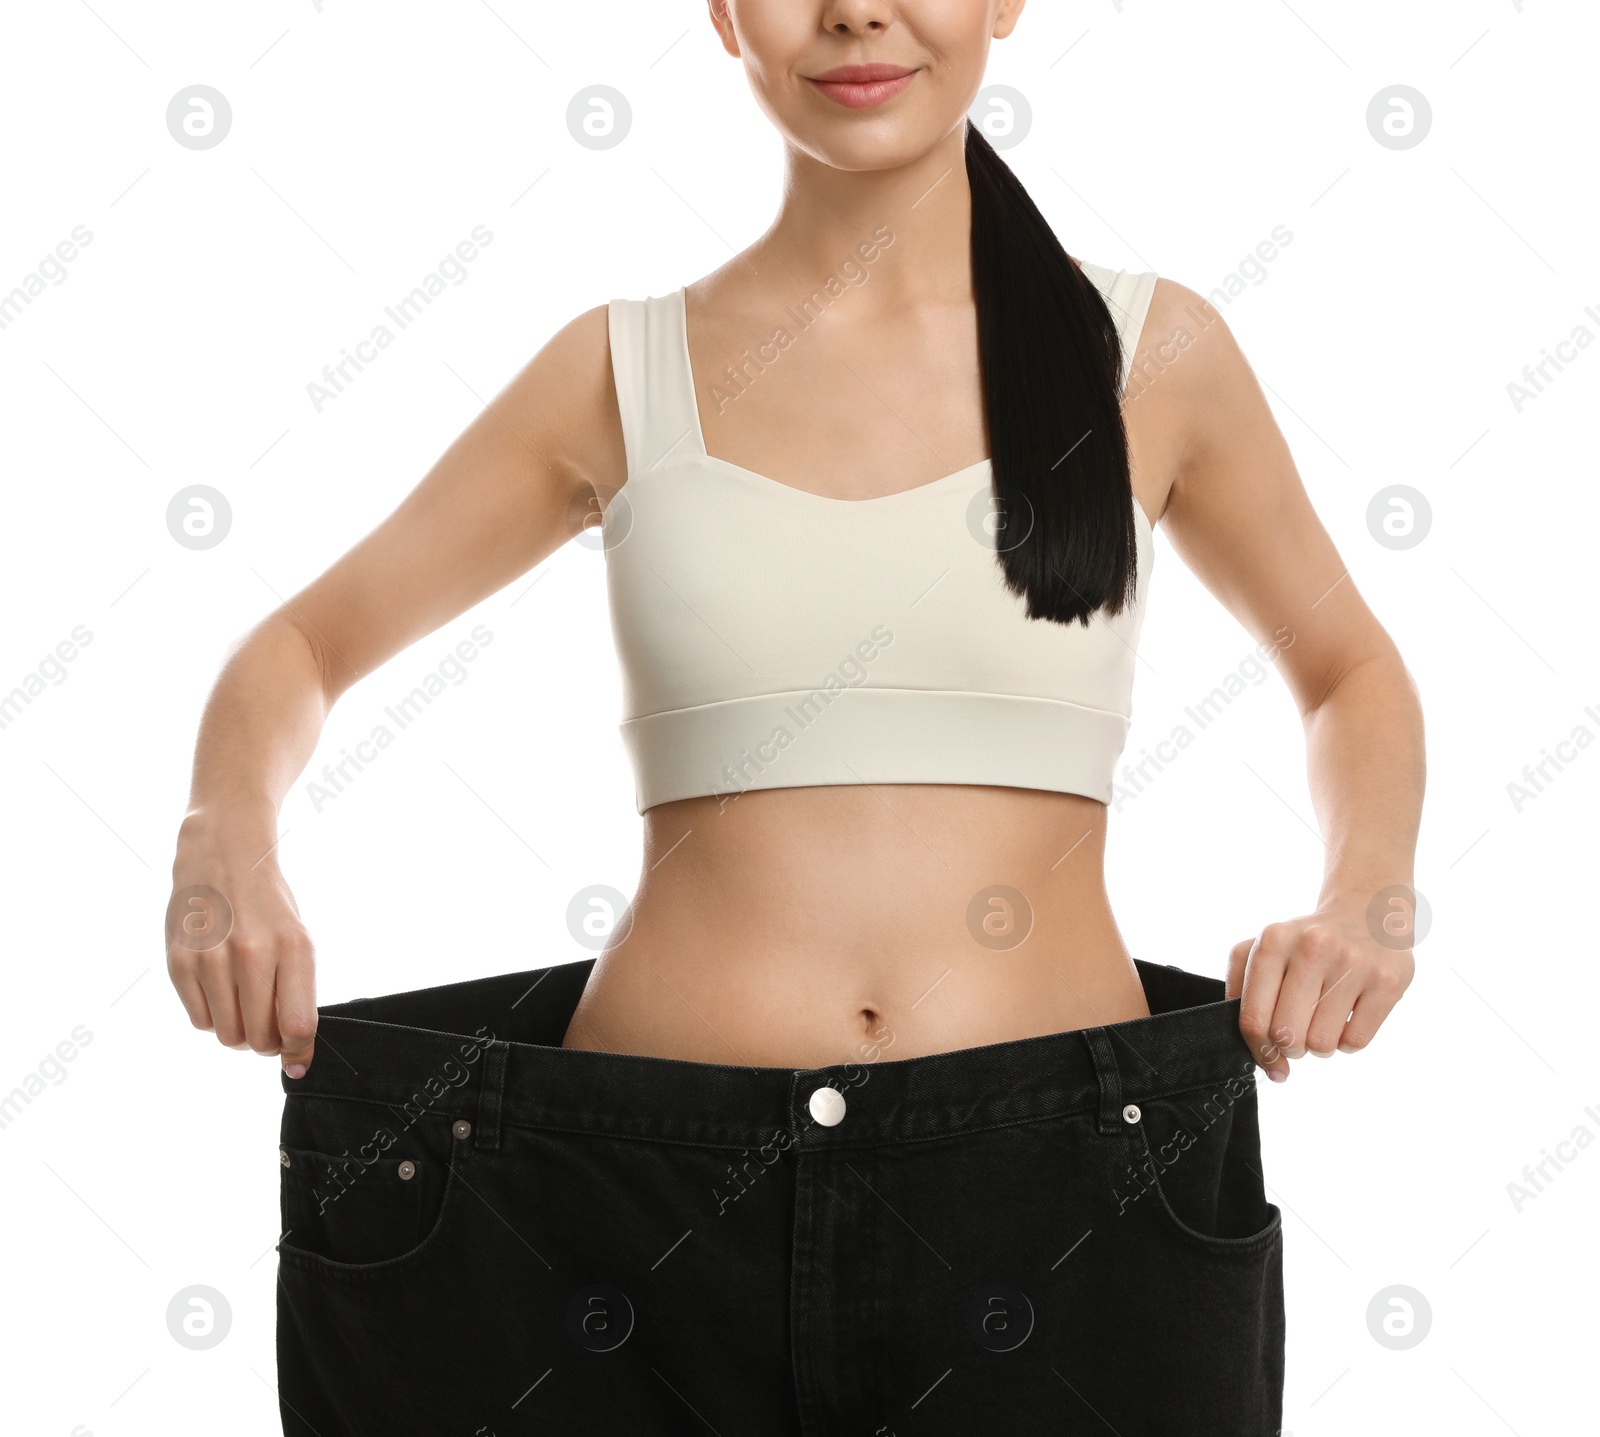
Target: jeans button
(827, 1106)
(407, 1169)
(1130, 1114)
(283, 1156)
(461, 1128)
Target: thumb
(1238, 960)
(297, 1013)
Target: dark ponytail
(1052, 366)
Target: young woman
(866, 1121)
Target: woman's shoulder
(562, 404)
(1178, 321)
(1190, 390)
(1161, 317)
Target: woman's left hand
(1318, 984)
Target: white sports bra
(773, 638)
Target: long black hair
(1052, 366)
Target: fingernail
(296, 1070)
(1276, 1074)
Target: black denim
(487, 1233)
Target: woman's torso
(812, 925)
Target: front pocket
(350, 1205)
(355, 1212)
(1195, 1159)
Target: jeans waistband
(488, 1050)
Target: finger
(1312, 951)
(1302, 986)
(1374, 1004)
(183, 969)
(297, 1007)
(1330, 1012)
(1263, 974)
(255, 1002)
(216, 978)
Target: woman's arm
(1239, 517)
(518, 482)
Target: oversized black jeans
(487, 1234)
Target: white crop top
(773, 638)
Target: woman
(866, 1120)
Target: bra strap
(1127, 295)
(650, 367)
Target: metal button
(407, 1169)
(283, 1156)
(1130, 1114)
(461, 1128)
(827, 1106)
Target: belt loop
(1110, 1080)
(486, 1133)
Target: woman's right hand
(520, 481)
(237, 953)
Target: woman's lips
(859, 87)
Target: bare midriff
(805, 927)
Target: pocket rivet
(461, 1128)
(1130, 1114)
(283, 1156)
(407, 1169)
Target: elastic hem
(806, 738)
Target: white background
(1175, 135)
